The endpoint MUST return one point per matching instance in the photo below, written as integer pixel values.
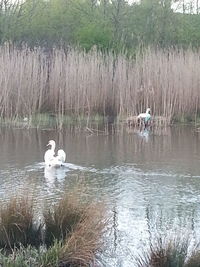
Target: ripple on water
(150, 187)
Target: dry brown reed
(86, 241)
(79, 224)
(62, 218)
(16, 223)
(164, 253)
(194, 259)
(74, 82)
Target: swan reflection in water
(144, 134)
(52, 174)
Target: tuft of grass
(50, 257)
(171, 253)
(20, 257)
(61, 219)
(30, 256)
(16, 223)
(79, 225)
(194, 259)
(86, 241)
(73, 235)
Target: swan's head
(51, 143)
(148, 111)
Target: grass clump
(171, 253)
(63, 217)
(194, 259)
(50, 257)
(79, 225)
(20, 257)
(30, 256)
(85, 242)
(174, 252)
(72, 236)
(16, 223)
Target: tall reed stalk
(74, 82)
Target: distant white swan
(146, 117)
(49, 157)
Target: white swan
(49, 157)
(146, 117)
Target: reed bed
(157, 121)
(73, 82)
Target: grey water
(150, 179)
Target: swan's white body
(145, 116)
(49, 157)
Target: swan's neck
(53, 146)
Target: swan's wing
(61, 155)
(142, 115)
(48, 156)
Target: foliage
(114, 24)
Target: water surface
(150, 180)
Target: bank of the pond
(53, 120)
(70, 232)
(73, 237)
(97, 121)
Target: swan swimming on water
(49, 157)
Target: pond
(150, 179)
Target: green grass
(50, 120)
(187, 119)
(30, 256)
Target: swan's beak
(48, 144)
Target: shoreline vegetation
(94, 124)
(70, 233)
(177, 251)
(71, 85)
(73, 233)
